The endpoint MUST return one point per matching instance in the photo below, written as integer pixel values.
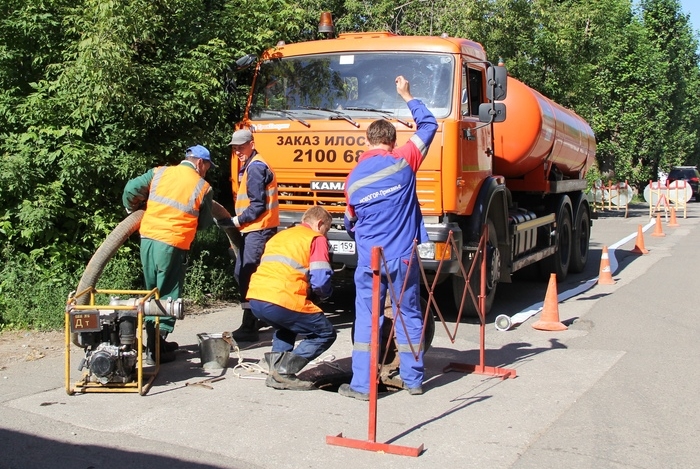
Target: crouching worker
(294, 266)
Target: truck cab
(311, 104)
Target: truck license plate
(343, 247)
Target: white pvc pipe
(504, 322)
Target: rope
(253, 368)
(256, 368)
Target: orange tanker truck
(504, 155)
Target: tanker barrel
(539, 130)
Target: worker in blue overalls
(383, 210)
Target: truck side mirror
(245, 61)
(496, 83)
(493, 112)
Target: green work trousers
(163, 267)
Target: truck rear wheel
(559, 262)
(493, 273)
(582, 234)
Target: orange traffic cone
(549, 320)
(673, 223)
(639, 244)
(658, 229)
(605, 275)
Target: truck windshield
(333, 86)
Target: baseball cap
(240, 137)
(198, 151)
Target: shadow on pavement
(59, 455)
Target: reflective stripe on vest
(282, 278)
(174, 198)
(379, 175)
(270, 217)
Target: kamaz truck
(504, 155)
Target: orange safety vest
(174, 198)
(270, 218)
(282, 278)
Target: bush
(33, 296)
(209, 277)
(33, 291)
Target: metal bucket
(213, 351)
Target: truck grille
(300, 196)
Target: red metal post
(374, 343)
(482, 303)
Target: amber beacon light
(325, 25)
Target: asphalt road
(618, 389)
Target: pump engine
(109, 337)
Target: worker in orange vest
(257, 218)
(178, 202)
(294, 268)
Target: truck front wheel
(493, 273)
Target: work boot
(283, 367)
(166, 346)
(248, 332)
(346, 391)
(165, 355)
(417, 391)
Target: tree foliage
(94, 92)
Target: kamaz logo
(328, 186)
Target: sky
(692, 7)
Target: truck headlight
(435, 251)
(426, 251)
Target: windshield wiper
(385, 114)
(287, 114)
(339, 114)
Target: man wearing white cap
(257, 217)
(177, 203)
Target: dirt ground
(17, 347)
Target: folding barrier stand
(481, 368)
(371, 444)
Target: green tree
(96, 92)
(672, 37)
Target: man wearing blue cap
(177, 203)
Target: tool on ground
(205, 383)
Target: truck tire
(493, 266)
(581, 241)
(560, 261)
